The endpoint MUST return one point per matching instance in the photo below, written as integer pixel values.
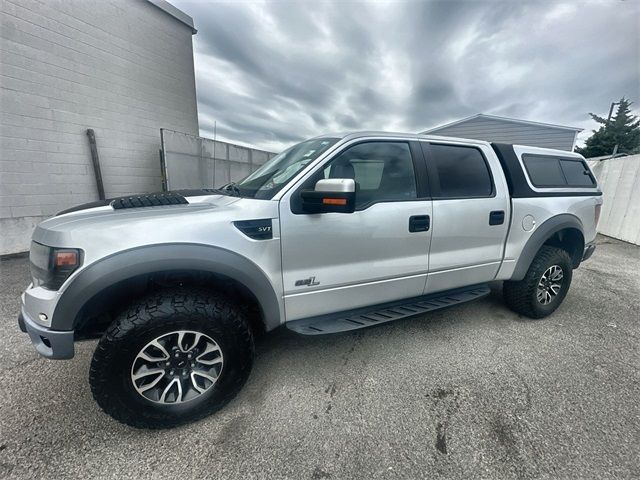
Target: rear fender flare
(539, 237)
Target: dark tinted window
(549, 171)
(462, 171)
(544, 171)
(383, 171)
(576, 173)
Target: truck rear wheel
(171, 358)
(545, 285)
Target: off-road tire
(151, 316)
(521, 296)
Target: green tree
(623, 130)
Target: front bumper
(588, 251)
(48, 343)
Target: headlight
(51, 266)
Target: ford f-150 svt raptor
(336, 233)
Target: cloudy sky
(273, 73)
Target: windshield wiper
(233, 188)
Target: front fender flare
(154, 258)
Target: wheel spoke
(165, 392)
(149, 358)
(159, 346)
(196, 341)
(180, 339)
(211, 348)
(146, 372)
(195, 383)
(557, 275)
(215, 361)
(204, 375)
(149, 386)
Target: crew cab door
(471, 214)
(338, 261)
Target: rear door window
(462, 172)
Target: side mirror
(330, 195)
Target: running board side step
(386, 312)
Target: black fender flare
(154, 258)
(539, 237)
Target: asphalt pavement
(474, 391)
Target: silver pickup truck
(336, 233)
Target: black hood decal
(174, 197)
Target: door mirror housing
(330, 195)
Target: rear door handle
(419, 223)
(496, 217)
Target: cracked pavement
(474, 391)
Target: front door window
(383, 172)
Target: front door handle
(419, 223)
(496, 217)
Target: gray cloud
(274, 73)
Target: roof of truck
(440, 138)
(379, 133)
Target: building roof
(175, 13)
(504, 119)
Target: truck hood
(102, 214)
(101, 230)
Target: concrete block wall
(197, 162)
(121, 67)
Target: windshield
(271, 177)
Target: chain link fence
(189, 161)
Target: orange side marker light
(334, 201)
(66, 259)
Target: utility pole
(611, 111)
(615, 148)
(213, 180)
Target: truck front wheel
(545, 285)
(172, 357)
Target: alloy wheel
(177, 367)
(550, 284)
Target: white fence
(619, 179)
(197, 162)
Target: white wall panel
(619, 179)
